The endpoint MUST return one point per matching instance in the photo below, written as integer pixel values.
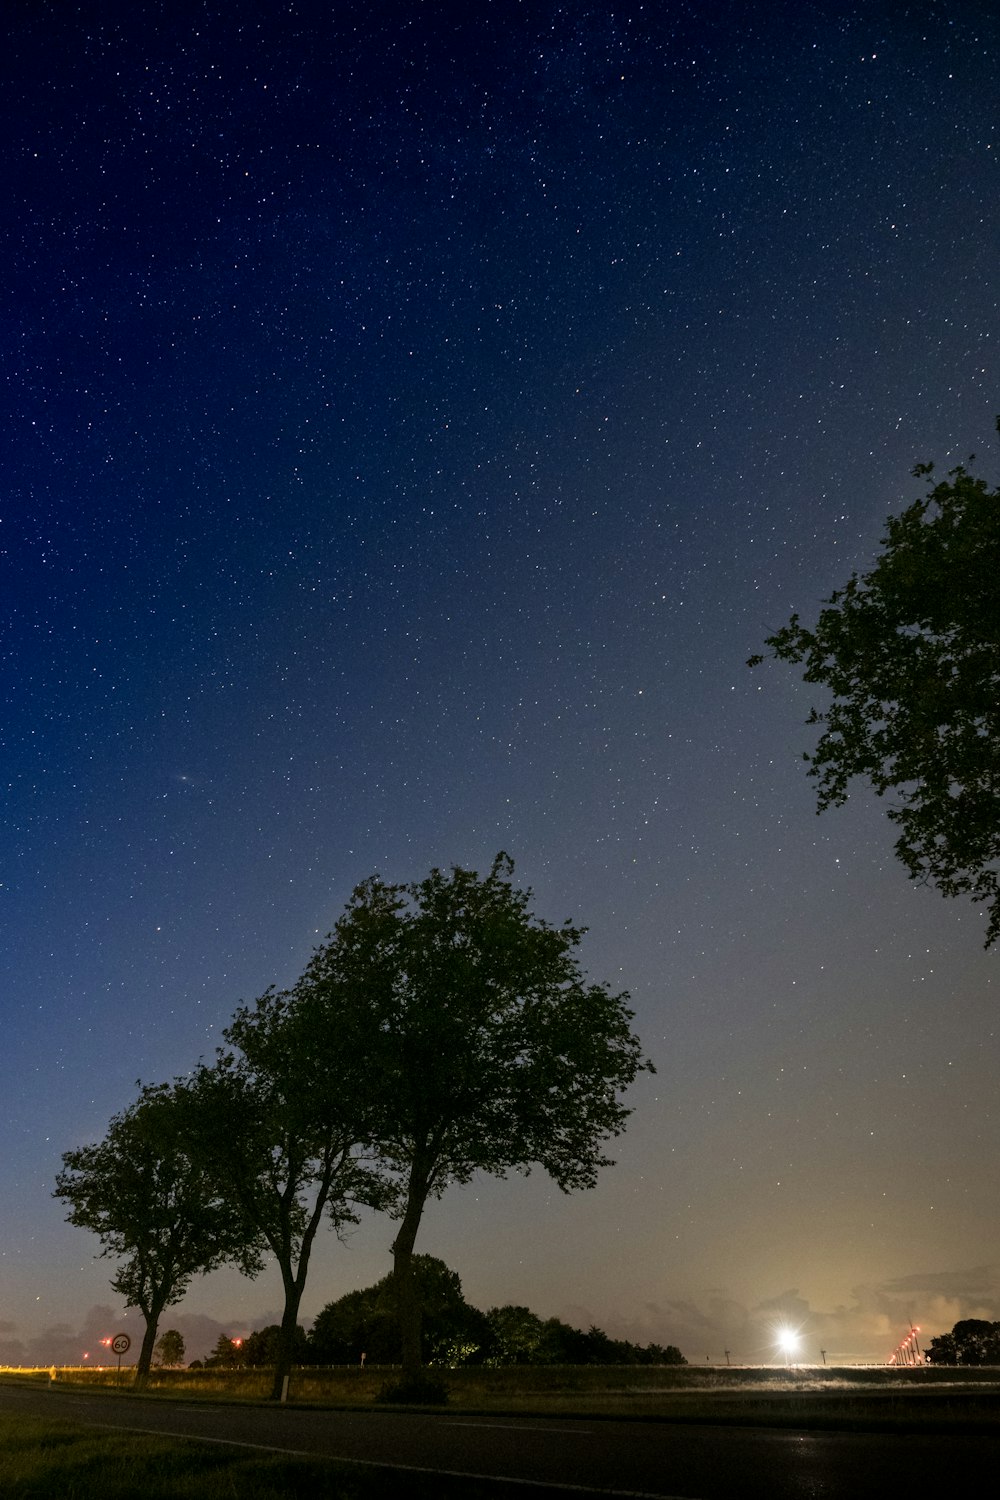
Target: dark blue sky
(415, 414)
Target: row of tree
(441, 1030)
(362, 1327)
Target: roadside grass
(920, 1398)
(44, 1459)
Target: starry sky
(414, 415)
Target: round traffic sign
(121, 1343)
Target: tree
(360, 1322)
(517, 1335)
(151, 1204)
(365, 1322)
(488, 1050)
(941, 1350)
(911, 655)
(226, 1355)
(972, 1341)
(657, 1354)
(276, 1122)
(169, 1348)
(262, 1347)
(522, 1338)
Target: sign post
(120, 1344)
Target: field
(923, 1398)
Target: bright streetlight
(788, 1343)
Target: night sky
(414, 416)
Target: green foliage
(154, 1206)
(972, 1341)
(516, 1335)
(911, 656)
(170, 1348)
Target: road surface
(608, 1457)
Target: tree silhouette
(911, 655)
(153, 1205)
(487, 1049)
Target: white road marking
(374, 1463)
(515, 1426)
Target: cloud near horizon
(867, 1328)
(60, 1344)
(703, 1327)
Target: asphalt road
(616, 1458)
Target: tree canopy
(455, 1333)
(910, 653)
(365, 1322)
(277, 1123)
(488, 1049)
(154, 1207)
(169, 1348)
(972, 1341)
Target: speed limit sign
(121, 1344)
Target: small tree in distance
(226, 1355)
(169, 1350)
(487, 1049)
(263, 1346)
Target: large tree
(154, 1207)
(277, 1122)
(972, 1341)
(487, 1048)
(910, 653)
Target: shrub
(415, 1390)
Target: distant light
(788, 1340)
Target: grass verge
(43, 1459)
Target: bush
(415, 1390)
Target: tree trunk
(294, 1279)
(145, 1360)
(407, 1300)
(286, 1336)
